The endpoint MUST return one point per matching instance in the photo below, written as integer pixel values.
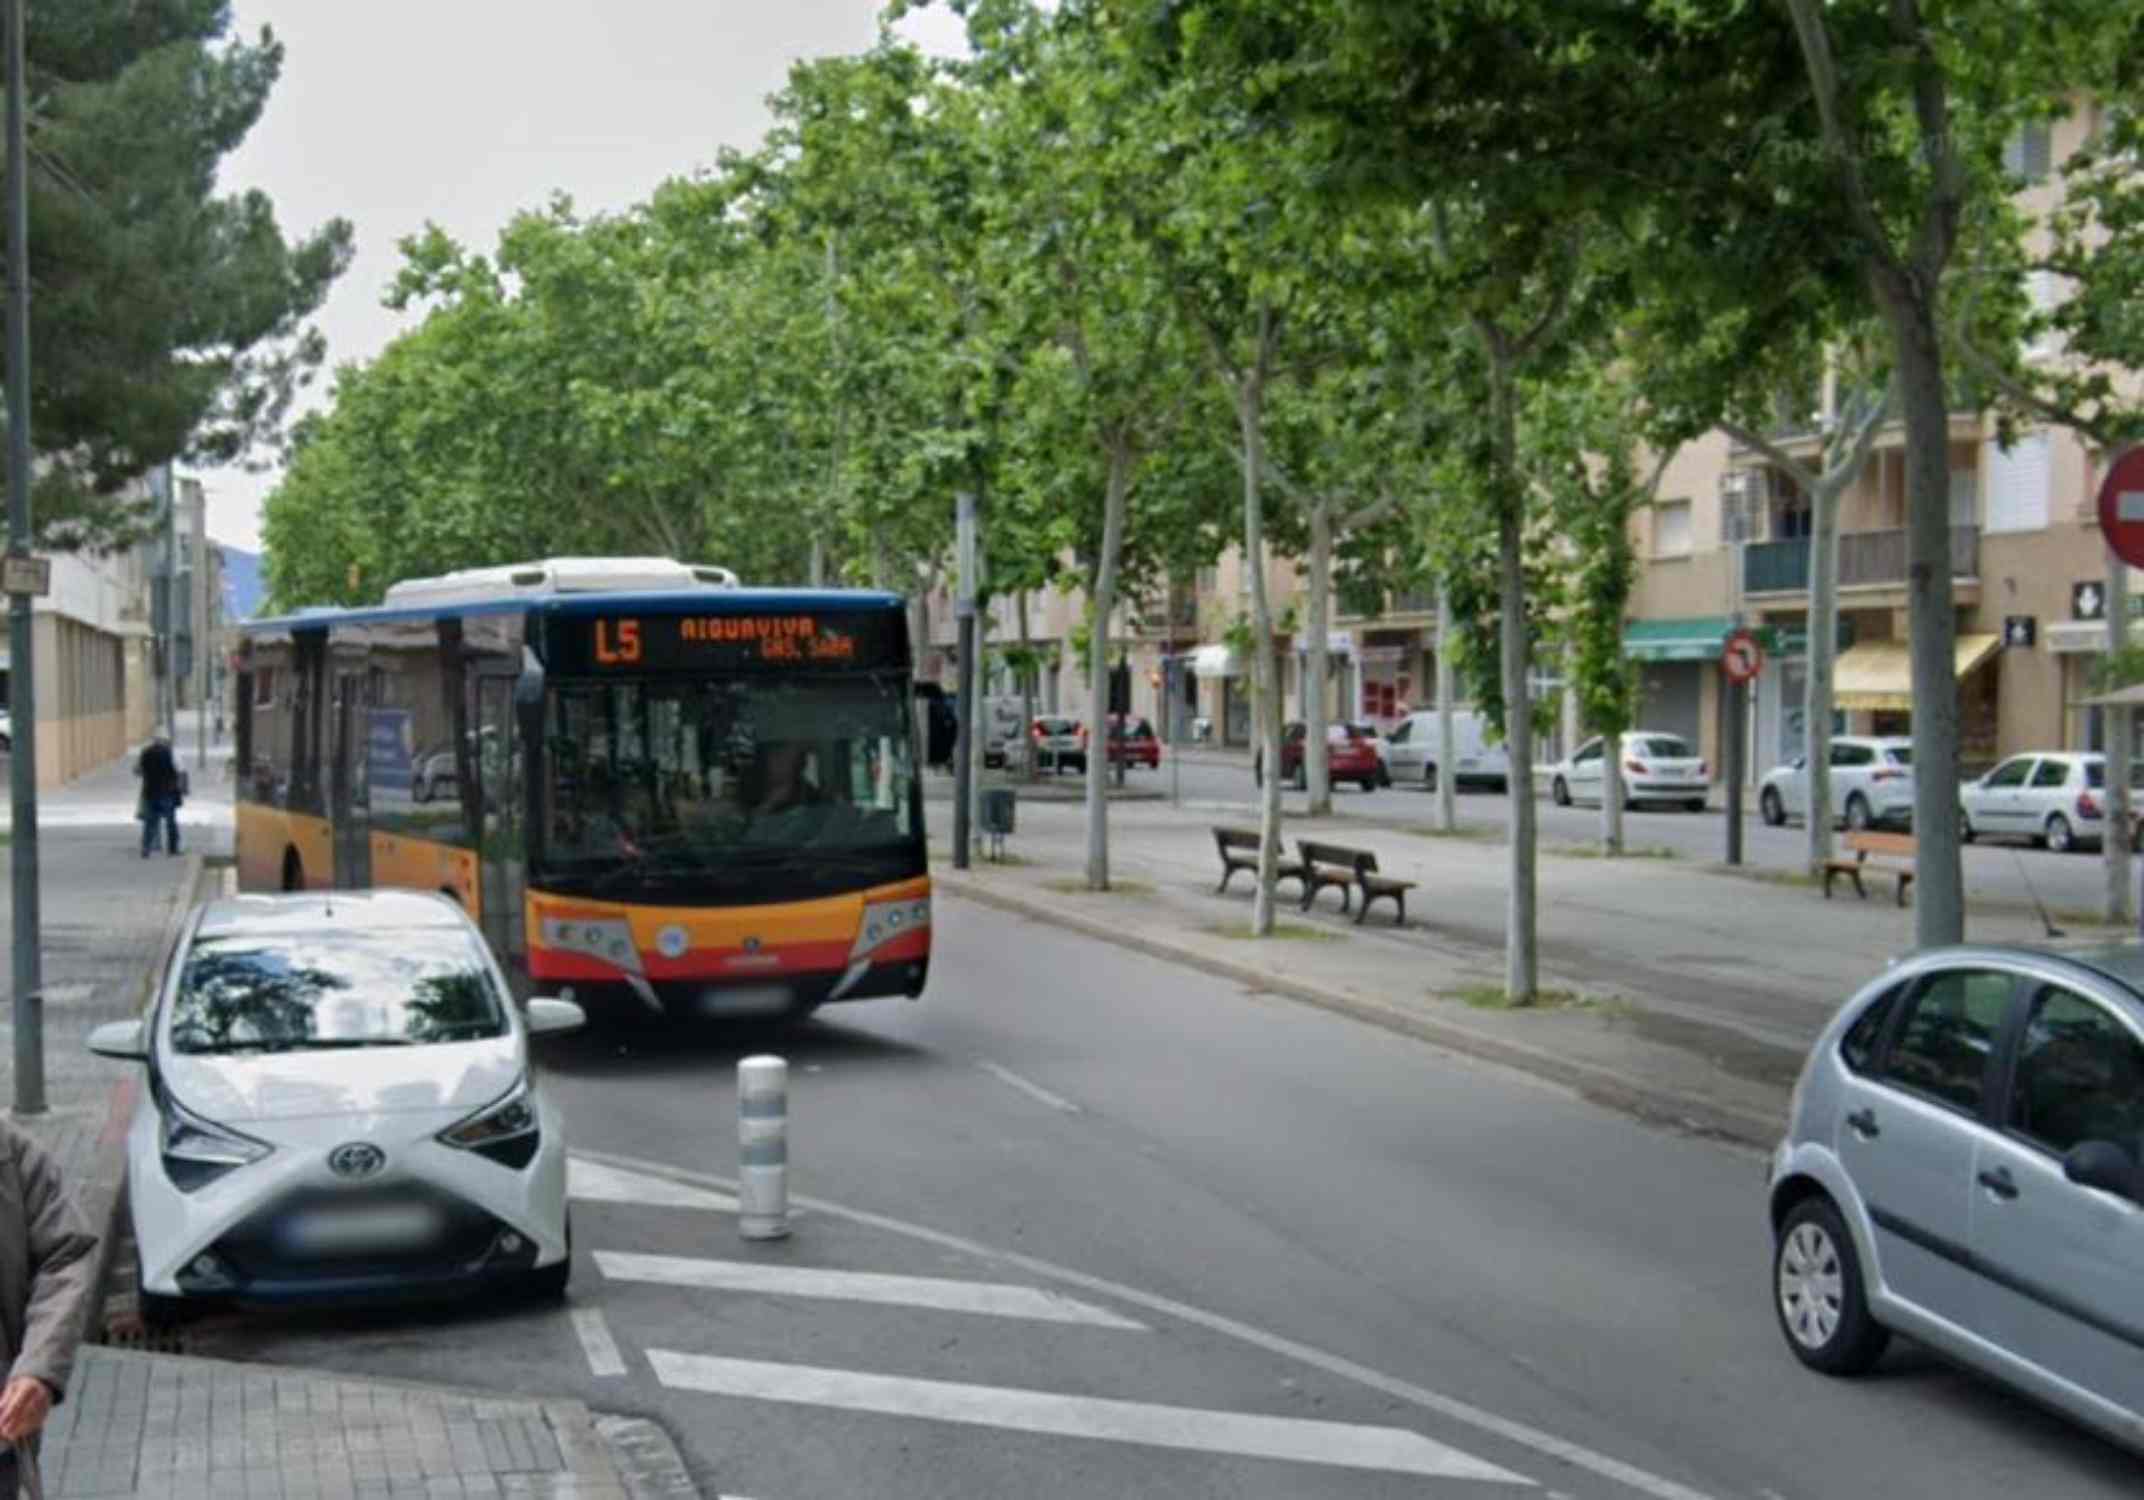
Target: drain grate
(136, 1336)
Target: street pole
(1737, 735)
(22, 699)
(171, 604)
(1172, 678)
(964, 740)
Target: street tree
(168, 321)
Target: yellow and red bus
(652, 788)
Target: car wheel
(1857, 813)
(158, 1312)
(1369, 783)
(1695, 804)
(2060, 837)
(1818, 1294)
(1775, 812)
(1966, 831)
(1429, 777)
(548, 1283)
(1560, 791)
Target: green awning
(1696, 638)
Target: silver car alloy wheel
(1812, 1286)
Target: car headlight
(198, 1151)
(505, 1130)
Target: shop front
(1872, 685)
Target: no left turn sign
(1741, 658)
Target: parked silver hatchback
(1962, 1165)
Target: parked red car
(1350, 755)
(1134, 742)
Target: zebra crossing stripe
(593, 1182)
(1242, 1434)
(992, 1299)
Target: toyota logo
(357, 1159)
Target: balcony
(1170, 614)
(1867, 559)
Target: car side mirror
(2104, 1165)
(126, 1040)
(547, 1017)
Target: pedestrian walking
(47, 1278)
(162, 789)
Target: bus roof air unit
(554, 576)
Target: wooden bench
(1239, 847)
(1349, 870)
(1861, 846)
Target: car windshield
(294, 992)
(694, 774)
(1661, 747)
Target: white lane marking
(993, 1299)
(598, 1182)
(596, 1342)
(1032, 1089)
(1544, 1443)
(1246, 1434)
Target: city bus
(653, 789)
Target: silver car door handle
(1863, 1123)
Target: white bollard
(763, 1148)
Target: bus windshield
(731, 780)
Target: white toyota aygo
(339, 1104)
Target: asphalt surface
(2009, 872)
(1279, 1254)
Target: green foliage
(2120, 669)
(167, 322)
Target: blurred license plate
(398, 1226)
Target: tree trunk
(1116, 487)
(2115, 842)
(1823, 647)
(1317, 663)
(1520, 956)
(1027, 689)
(1447, 734)
(818, 563)
(1612, 794)
(1932, 614)
(1265, 675)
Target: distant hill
(242, 584)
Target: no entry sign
(2121, 507)
(1741, 658)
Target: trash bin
(997, 817)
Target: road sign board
(21, 573)
(2121, 507)
(1741, 658)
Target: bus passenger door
(501, 858)
(349, 796)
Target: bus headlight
(886, 920)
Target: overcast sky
(467, 111)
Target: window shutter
(2018, 484)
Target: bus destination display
(715, 643)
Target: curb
(104, 1194)
(647, 1461)
(1602, 1086)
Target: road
(2010, 873)
(1083, 1223)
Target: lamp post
(22, 700)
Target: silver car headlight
(198, 1151)
(506, 1130)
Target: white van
(1411, 751)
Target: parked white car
(1412, 748)
(340, 1105)
(2053, 798)
(1871, 784)
(1656, 767)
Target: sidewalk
(143, 1426)
(1687, 994)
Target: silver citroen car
(1962, 1166)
